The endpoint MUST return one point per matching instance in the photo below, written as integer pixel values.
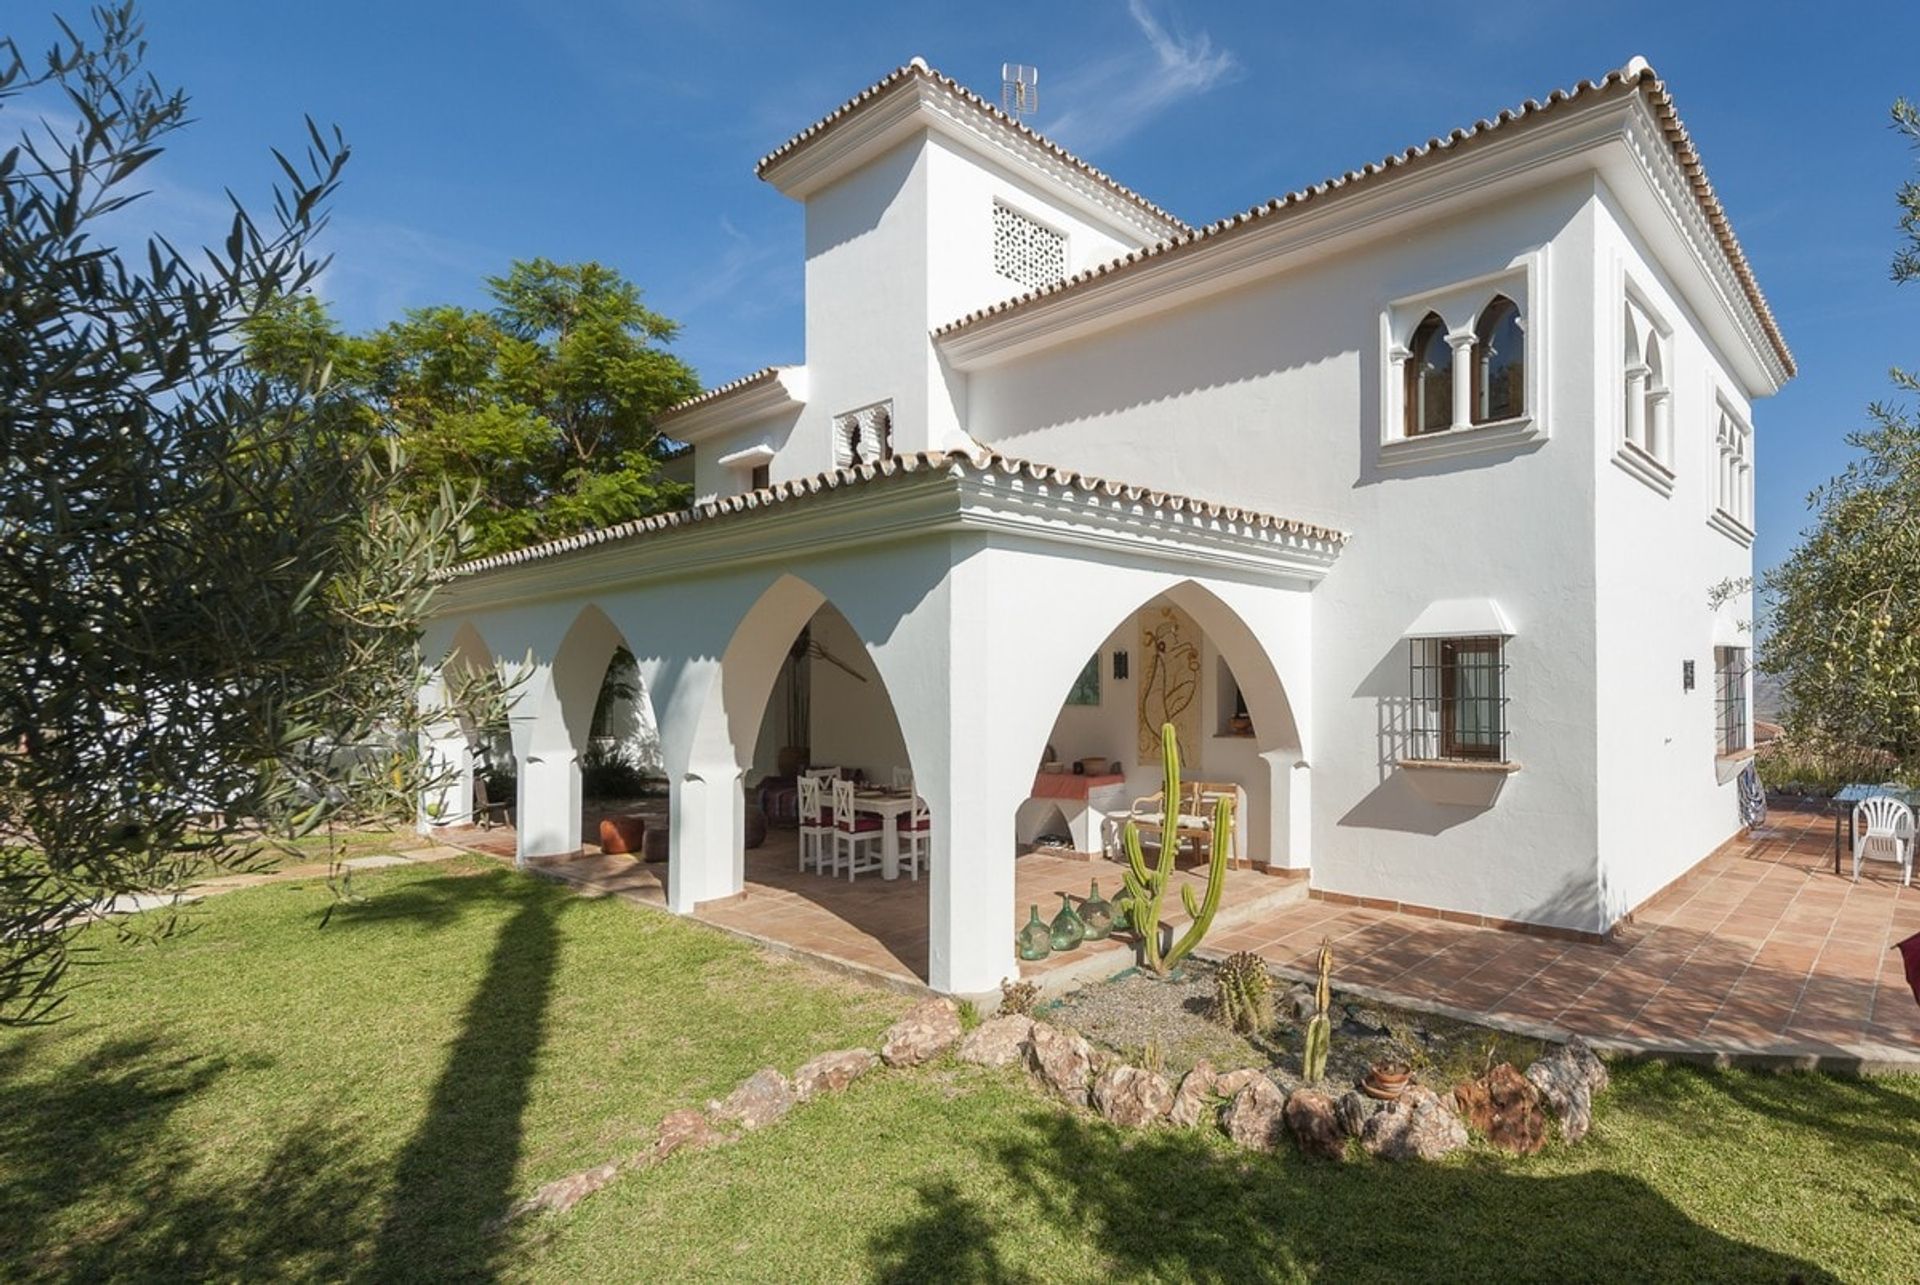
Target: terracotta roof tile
(1635, 74)
(759, 376)
(919, 68)
(976, 462)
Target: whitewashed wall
(1270, 397)
(1665, 802)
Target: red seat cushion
(860, 824)
(924, 823)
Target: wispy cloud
(1109, 100)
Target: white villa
(1404, 497)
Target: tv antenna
(1019, 89)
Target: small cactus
(1313, 1059)
(1243, 993)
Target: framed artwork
(1086, 688)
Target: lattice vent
(1026, 251)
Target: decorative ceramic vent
(1026, 251)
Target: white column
(1462, 341)
(706, 845)
(1393, 405)
(1637, 405)
(449, 764)
(1659, 424)
(547, 816)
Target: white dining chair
(916, 838)
(1883, 825)
(816, 824)
(856, 836)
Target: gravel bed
(1144, 1019)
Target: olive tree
(210, 612)
(1844, 633)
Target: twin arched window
(1495, 379)
(1645, 376)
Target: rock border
(1244, 1104)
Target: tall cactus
(1313, 1058)
(1147, 885)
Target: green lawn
(266, 1097)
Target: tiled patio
(878, 926)
(1761, 947)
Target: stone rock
(1314, 1121)
(762, 1098)
(1356, 1108)
(1567, 1079)
(1062, 1060)
(1190, 1099)
(1505, 1106)
(1132, 1097)
(683, 1130)
(1417, 1127)
(998, 1041)
(562, 1194)
(1233, 1081)
(831, 1072)
(928, 1029)
(1255, 1116)
(1301, 1003)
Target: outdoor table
(1843, 802)
(889, 806)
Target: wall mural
(1169, 679)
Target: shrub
(607, 773)
(1019, 998)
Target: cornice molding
(1261, 247)
(931, 501)
(918, 103)
(1645, 141)
(758, 396)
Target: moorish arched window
(1499, 362)
(1429, 399)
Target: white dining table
(890, 806)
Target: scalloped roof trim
(918, 67)
(1635, 75)
(956, 463)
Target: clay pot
(622, 833)
(1386, 1080)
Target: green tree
(210, 606)
(1845, 617)
(542, 406)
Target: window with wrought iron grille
(1027, 251)
(1459, 699)
(1730, 698)
(863, 436)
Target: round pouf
(756, 827)
(654, 846)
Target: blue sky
(627, 133)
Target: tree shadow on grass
(1169, 1205)
(453, 1183)
(99, 1130)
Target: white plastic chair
(856, 837)
(916, 838)
(1883, 824)
(816, 826)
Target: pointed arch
(1429, 391)
(1499, 362)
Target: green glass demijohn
(1068, 928)
(1096, 915)
(1034, 940)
